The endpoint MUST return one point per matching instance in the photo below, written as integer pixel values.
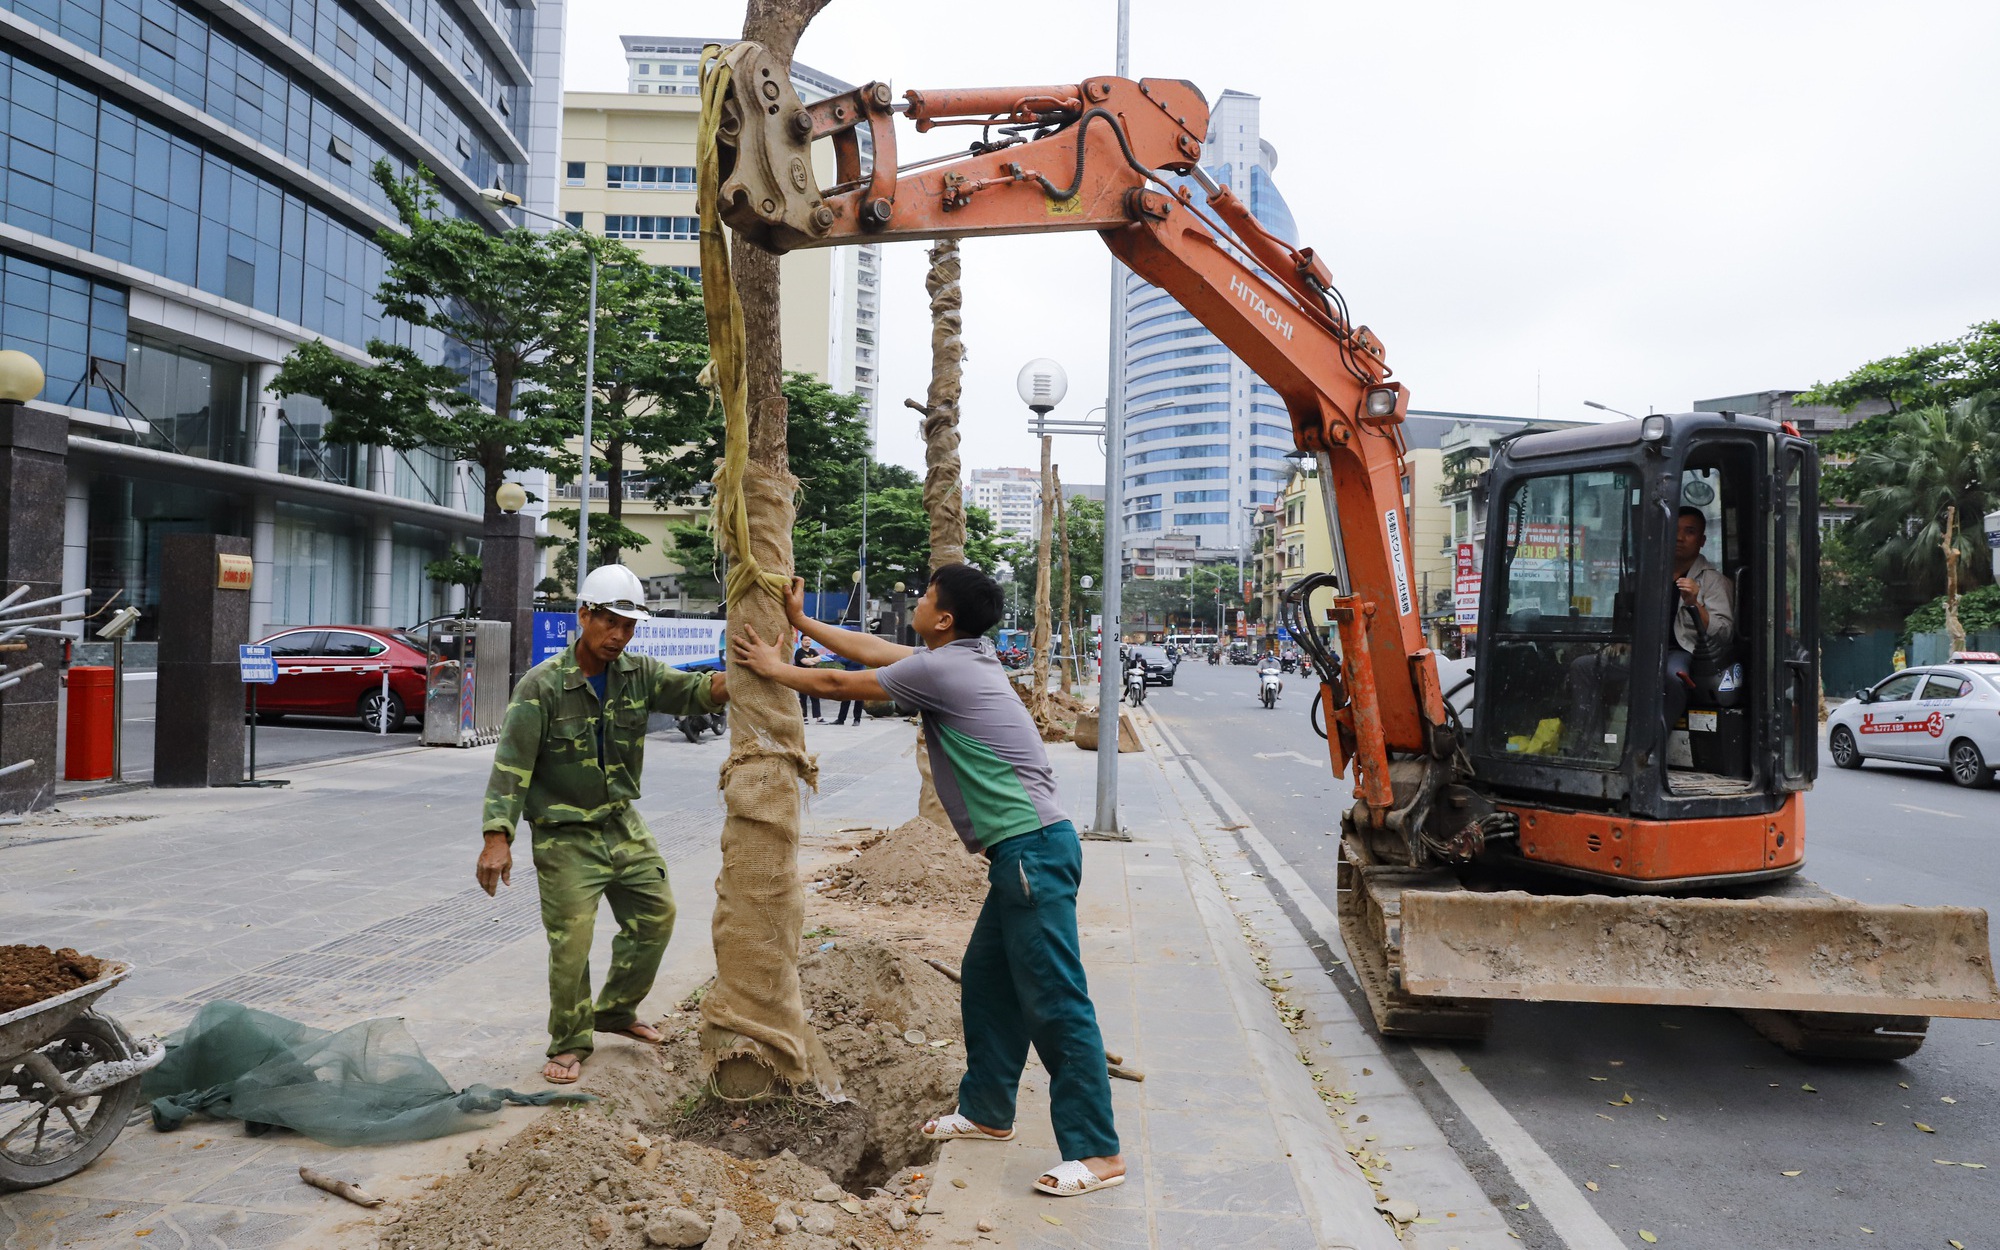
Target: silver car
(1946, 715)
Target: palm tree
(1934, 460)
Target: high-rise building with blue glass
(185, 195)
(1205, 439)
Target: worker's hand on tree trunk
(795, 603)
(496, 863)
(749, 650)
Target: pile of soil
(29, 974)
(890, 1023)
(578, 1179)
(915, 864)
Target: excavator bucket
(1806, 952)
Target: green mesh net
(364, 1084)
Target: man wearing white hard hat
(569, 759)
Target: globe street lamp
(507, 199)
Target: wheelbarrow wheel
(41, 1143)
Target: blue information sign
(258, 665)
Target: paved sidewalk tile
(1206, 1163)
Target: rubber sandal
(1074, 1177)
(955, 1127)
(627, 1031)
(573, 1066)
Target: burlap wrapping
(944, 501)
(1038, 703)
(754, 1008)
(944, 498)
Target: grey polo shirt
(987, 760)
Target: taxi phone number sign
(1932, 725)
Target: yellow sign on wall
(233, 572)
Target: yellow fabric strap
(726, 348)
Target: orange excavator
(1607, 805)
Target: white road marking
(1552, 1192)
(1289, 755)
(1928, 811)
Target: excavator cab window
(1559, 661)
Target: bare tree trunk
(1953, 628)
(1068, 626)
(944, 501)
(1038, 701)
(754, 1033)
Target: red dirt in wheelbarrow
(29, 974)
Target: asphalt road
(1718, 1115)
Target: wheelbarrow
(69, 1077)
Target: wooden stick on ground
(340, 1189)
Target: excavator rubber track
(1820, 975)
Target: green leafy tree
(649, 406)
(1978, 610)
(1923, 377)
(1851, 592)
(1933, 459)
(459, 568)
(505, 305)
(1084, 521)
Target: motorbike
(693, 727)
(1135, 684)
(1269, 685)
(1290, 664)
(1214, 656)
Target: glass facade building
(1205, 439)
(186, 194)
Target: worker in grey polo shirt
(1023, 979)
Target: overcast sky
(1532, 204)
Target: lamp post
(507, 199)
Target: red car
(336, 670)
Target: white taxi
(1946, 715)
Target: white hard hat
(614, 588)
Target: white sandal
(1074, 1177)
(955, 1127)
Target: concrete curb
(1339, 1201)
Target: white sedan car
(1946, 715)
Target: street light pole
(494, 195)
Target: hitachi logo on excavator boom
(1272, 317)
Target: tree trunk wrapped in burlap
(944, 499)
(754, 1009)
(1038, 698)
(755, 1038)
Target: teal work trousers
(575, 866)
(1023, 983)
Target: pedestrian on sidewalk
(1023, 978)
(569, 758)
(808, 703)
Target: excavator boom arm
(1118, 156)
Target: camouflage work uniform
(588, 842)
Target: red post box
(88, 745)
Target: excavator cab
(1645, 745)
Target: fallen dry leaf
(1791, 1173)
(1955, 1243)
(1602, 1116)
(1520, 1206)
(1626, 1101)
(1053, 1220)
(1647, 1237)
(1949, 1101)
(1617, 1063)
(1591, 1186)
(1864, 1228)
(1902, 1085)
(1600, 1078)
(1923, 1126)
(1807, 1087)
